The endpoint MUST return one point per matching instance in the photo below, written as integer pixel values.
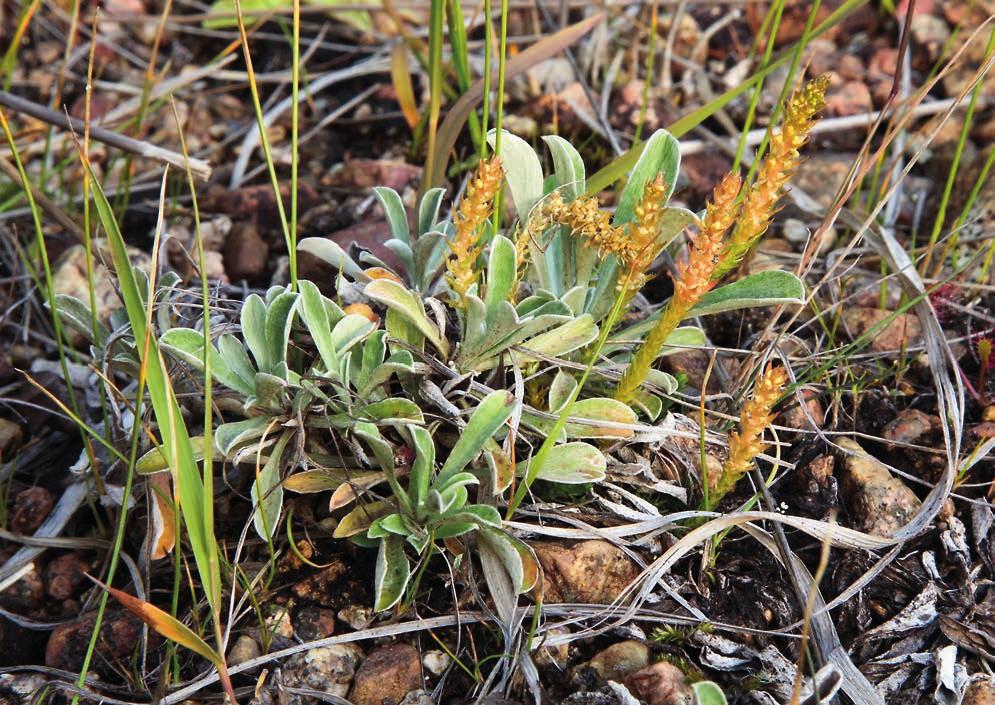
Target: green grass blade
(175, 438)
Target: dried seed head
(475, 208)
(754, 418)
(782, 157)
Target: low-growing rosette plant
(429, 397)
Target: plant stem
(539, 459)
(435, 30)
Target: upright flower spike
(694, 279)
(747, 443)
(761, 199)
(643, 233)
(475, 208)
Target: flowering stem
(539, 459)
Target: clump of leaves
(484, 333)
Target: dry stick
(47, 204)
(142, 149)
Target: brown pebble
(246, 253)
(31, 508)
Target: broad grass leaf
(197, 511)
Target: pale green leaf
(267, 491)
(661, 155)
(393, 410)
(397, 216)
(331, 253)
(600, 409)
(573, 463)
(768, 288)
(501, 268)
(568, 166)
(359, 519)
(487, 418)
(407, 304)
(522, 170)
(707, 693)
(392, 573)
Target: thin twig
(127, 144)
